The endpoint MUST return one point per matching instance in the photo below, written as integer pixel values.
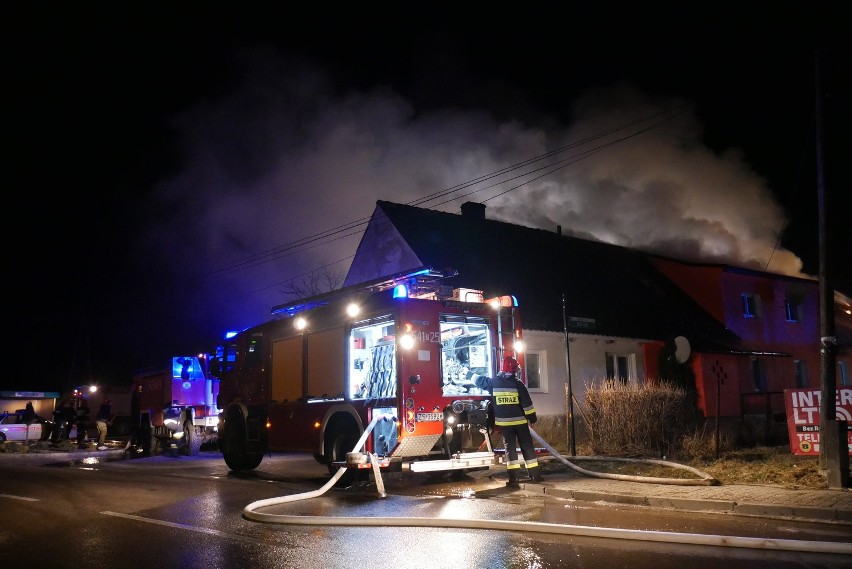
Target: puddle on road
(92, 460)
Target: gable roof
(609, 290)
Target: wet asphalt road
(189, 512)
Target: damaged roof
(609, 290)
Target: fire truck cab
(393, 355)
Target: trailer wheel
(192, 439)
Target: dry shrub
(637, 420)
(701, 444)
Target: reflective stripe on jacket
(510, 398)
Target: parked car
(13, 428)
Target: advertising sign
(803, 418)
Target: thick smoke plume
(281, 174)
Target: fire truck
(368, 374)
(178, 404)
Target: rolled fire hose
(250, 512)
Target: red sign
(803, 418)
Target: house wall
(588, 355)
(771, 339)
(701, 282)
(770, 328)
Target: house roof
(609, 290)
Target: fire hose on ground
(251, 512)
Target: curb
(816, 514)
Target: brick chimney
(473, 210)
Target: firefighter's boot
(535, 475)
(513, 479)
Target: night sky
(172, 167)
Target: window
(758, 374)
(372, 359)
(254, 353)
(620, 366)
(792, 310)
(801, 373)
(751, 305)
(536, 371)
(843, 372)
(465, 345)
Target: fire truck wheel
(342, 443)
(234, 446)
(192, 443)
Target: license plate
(424, 417)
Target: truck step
(457, 462)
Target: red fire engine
(387, 357)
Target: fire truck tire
(192, 443)
(342, 443)
(234, 445)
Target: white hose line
(250, 512)
(705, 480)
(548, 528)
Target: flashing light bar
(505, 301)
(293, 309)
(400, 291)
(410, 279)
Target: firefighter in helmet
(513, 414)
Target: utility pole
(572, 439)
(833, 449)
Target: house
(741, 336)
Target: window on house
(792, 310)
(751, 305)
(758, 374)
(620, 366)
(536, 370)
(843, 373)
(801, 373)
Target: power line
(349, 229)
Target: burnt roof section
(609, 290)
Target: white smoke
(286, 157)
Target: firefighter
(513, 413)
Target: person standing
(102, 420)
(29, 418)
(513, 413)
(135, 417)
(59, 421)
(29, 413)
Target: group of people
(64, 419)
(67, 415)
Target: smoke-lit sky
(176, 168)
